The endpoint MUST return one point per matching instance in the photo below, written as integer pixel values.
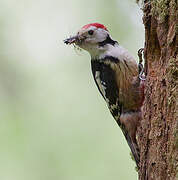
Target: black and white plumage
(105, 80)
(116, 75)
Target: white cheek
(100, 35)
(91, 40)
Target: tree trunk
(158, 131)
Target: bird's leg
(140, 64)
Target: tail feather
(134, 149)
(129, 122)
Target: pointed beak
(71, 40)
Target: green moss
(136, 169)
(173, 7)
(160, 9)
(132, 157)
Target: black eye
(90, 32)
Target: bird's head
(92, 38)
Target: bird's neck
(98, 52)
(111, 50)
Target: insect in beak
(71, 40)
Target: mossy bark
(158, 132)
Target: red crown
(97, 25)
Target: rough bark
(158, 132)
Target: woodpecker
(116, 75)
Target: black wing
(104, 78)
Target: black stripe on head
(108, 40)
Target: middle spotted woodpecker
(116, 75)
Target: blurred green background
(54, 124)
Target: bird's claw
(140, 65)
